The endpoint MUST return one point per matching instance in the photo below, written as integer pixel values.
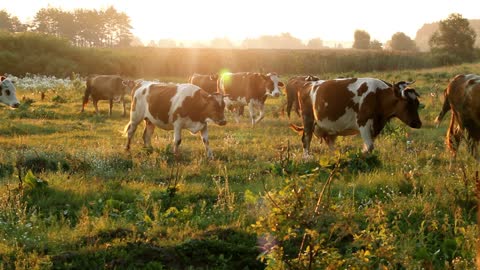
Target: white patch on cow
(183, 91)
(187, 123)
(372, 85)
(326, 104)
(11, 99)
(348, 121)
(366, 133)
(412, 95)
(276, 91)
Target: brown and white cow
(462, 97)
(294, 85)
(206, 82)
(174, 107)
(106, 87)
(8, 92)
(247, 88)
(343, 107)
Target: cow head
(272, 85)
(8, 92)
(407, 105)
(215, 108)
(129, 85)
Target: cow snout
(416, 124)
(15, 105)
(276, 94)
(222, 122)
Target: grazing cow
(250, 89)
(177, 107)
(106, 87)
(294, 85)
(206, 82)
(8, 92)
(462, 97)
(350, 106)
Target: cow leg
(330, 140)
(177, 140)
(204, 134)
(147, 133)
(366, 134)
(261, 109)
(236, 114)
(124, 109)
(95, 105)
(453, 138)
(130, 131)
(308, 127)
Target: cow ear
(2, 78)
(280, 84)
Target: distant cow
(462, 97)
(206, 82)
(8, 92)
(350, 106)
(250, 89)
(106, 87)
(177, 107)
(294, 85)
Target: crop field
(71, 197)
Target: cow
(247, 88)
(462, 97)
(295, 84)
(8, 93)
(174, 107)
(106, 87)
(349, 106)
(206, 82)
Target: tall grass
(251, 207)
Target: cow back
(206, 82)
(106, 85)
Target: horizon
(206, 20)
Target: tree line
(82, 27)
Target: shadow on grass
(216, 249)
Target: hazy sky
(237, 20)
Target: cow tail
(445, 109)
(298, 129)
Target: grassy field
(72, 198)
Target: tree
(402, 42)
(221, 43)
(167, 43)
(283, 41)
(376, 45)
(10, 23)
(361, 40)
(454, 40)
(315, 43)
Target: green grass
(400, 207)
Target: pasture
(72, 198)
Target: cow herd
(328, 108)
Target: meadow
(72, 198)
